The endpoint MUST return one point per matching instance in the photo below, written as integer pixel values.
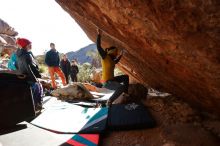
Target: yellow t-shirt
(108, 66)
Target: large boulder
(2, 41)
(171, 45)
(72, 91)
(96, 75)
(10, 40)
(7, 38)
(7, 29)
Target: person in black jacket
(65, 66)
(52, 60)
(27, 65)
(74, 70)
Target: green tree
(96, 59)
(85, 71)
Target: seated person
(12, 61)
(27, 65)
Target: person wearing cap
(26, 64)
(52, 60)
(109, 58)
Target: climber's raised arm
(101, 51)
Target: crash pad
(64, 117)
(129, 116)
(30, 135)
(83, 140)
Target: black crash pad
(129, 116)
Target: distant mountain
(81, 55)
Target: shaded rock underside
(170, 45)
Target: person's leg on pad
(122, 79)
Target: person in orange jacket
(52, 60)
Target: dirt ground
(177, 125)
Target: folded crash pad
(129, 116)
(65, 117)
(83, 140)
(30, 135)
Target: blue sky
(42, 22)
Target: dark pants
(121, 88)
(67, 77)
(117, 93)
(122, 79)
(74, 78)
(37, 92)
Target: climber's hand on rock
(99, 31)
(122, 52)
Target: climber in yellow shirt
(109, 57)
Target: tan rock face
(171, 45)
(72, 91)
(7, 38)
